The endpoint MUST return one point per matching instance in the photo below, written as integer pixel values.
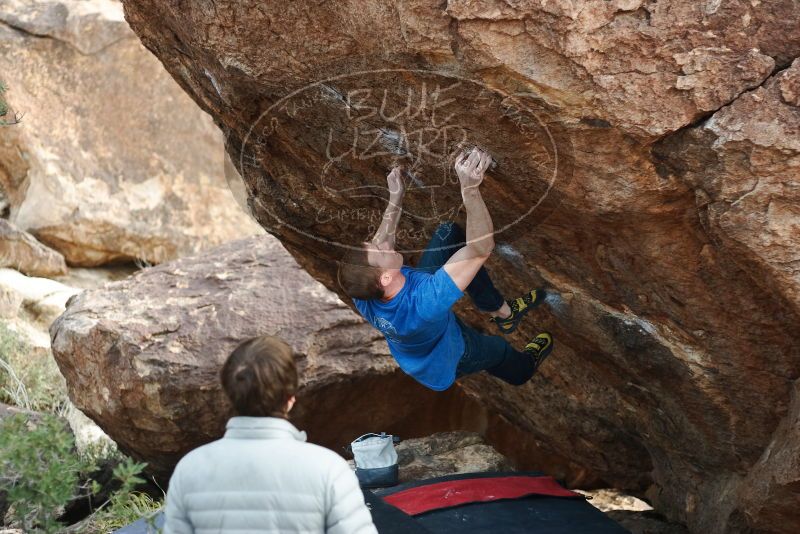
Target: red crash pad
(456, 492)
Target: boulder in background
(112, 162)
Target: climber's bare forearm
(391, 217)
(480, 231)
(467, 261)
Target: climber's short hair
(259, 377)
(357, 277)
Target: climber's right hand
(471, 167)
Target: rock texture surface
(112, 162)
(41, 299)
(21, 251)
(657, 145)
(447, 453)
(743, 166)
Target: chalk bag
(376, 460)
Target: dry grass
(29, 376)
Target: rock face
(742, 165)
(112, 162)
(447, 453)
(648, 164)
(20, 250)
(40, 300)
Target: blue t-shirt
(420, 327)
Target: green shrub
(125, 505)
(3, 105)
(41, 472)
(4, 111)
(123, 511)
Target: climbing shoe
(540, 348)
(519, 307)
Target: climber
(412, 306)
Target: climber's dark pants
(492, 354)
(446, 240)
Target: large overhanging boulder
(629, 135)
(112, 162)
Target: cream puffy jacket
(263, 477)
